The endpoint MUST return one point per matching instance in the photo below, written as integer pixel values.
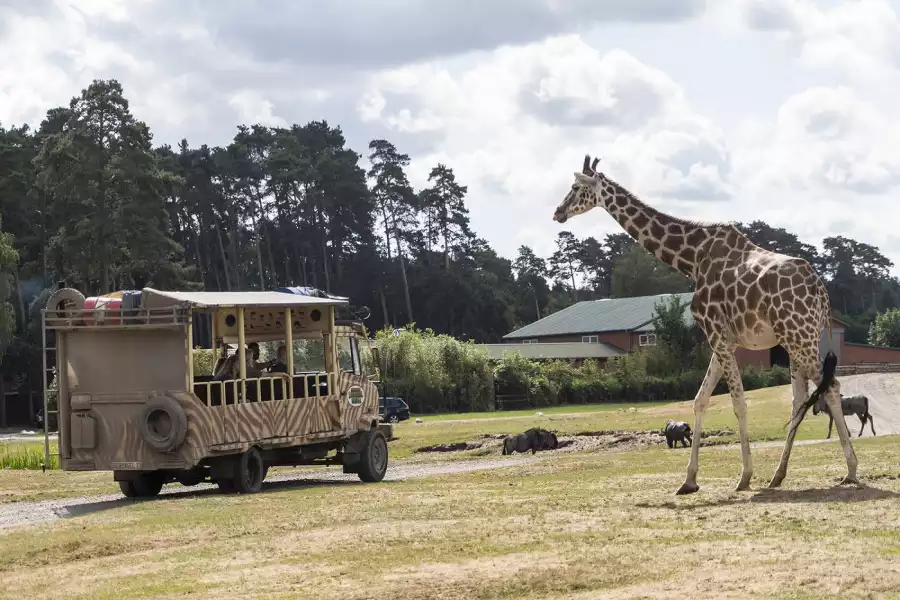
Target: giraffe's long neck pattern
(671, 240)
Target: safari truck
(129, 400)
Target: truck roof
(152, 298)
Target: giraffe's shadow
(836, 493)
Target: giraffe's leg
(800, 391)
(833, 399)
(736, 387)
(701, 403)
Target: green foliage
(885, 329)
(435, 373)
(204, 361)
(639, 273)
(25, 456)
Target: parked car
(397, 409)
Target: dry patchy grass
(577, 526)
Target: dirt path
(32, 513)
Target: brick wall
(861, 353)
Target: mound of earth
(580, 441)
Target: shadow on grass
(76, 510)
(836, 493)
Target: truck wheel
(147, 485)
(248, 472)
(373, 458)
(162, 423)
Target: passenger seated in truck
(229, 368)
(279, 364)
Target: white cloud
(252, 107)
(860, 38)
(517, 124)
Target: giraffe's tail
(829, 366)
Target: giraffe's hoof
(848, 480)
(777, 478)
(743, 486)
(687, 488)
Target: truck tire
(64, 304)
(248, 472)
(162, 423)
(373, 458)
(146, 485)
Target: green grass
(26, 455)
(554, 410)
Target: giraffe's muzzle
(560, 216)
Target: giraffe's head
(584, 194)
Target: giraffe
(744, 296)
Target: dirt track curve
(882, 389)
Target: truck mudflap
(387, 430)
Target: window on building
(529, 341)
(590, 339)
(647, 339)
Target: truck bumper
(387, 429)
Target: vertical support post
(63, 422)
(44, 381)
(289, 349)
(242, 353)
(214, 316)
(190, 351)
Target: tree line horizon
(87, 198)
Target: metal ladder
(45, 374)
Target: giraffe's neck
(671, 240)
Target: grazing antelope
(850, 405)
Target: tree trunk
(537, 307)
(259, 262)
(384, 309)
(387, 228)
(22, 315)
(225, 267)
(409, 312)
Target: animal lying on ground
(534, 439)
(676, 431)
(850, 405)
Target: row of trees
(88, 198)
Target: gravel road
(883, 390)
(32, 513)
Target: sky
(780, 110)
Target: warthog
(534, 439)
(850, 405)
(676, 431)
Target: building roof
(601, 316)
(552, 350)
(158, 299)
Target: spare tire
(162, 423)
(65, 303)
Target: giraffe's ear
(584, 179)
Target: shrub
(437, 373)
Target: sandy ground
(882, 389)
